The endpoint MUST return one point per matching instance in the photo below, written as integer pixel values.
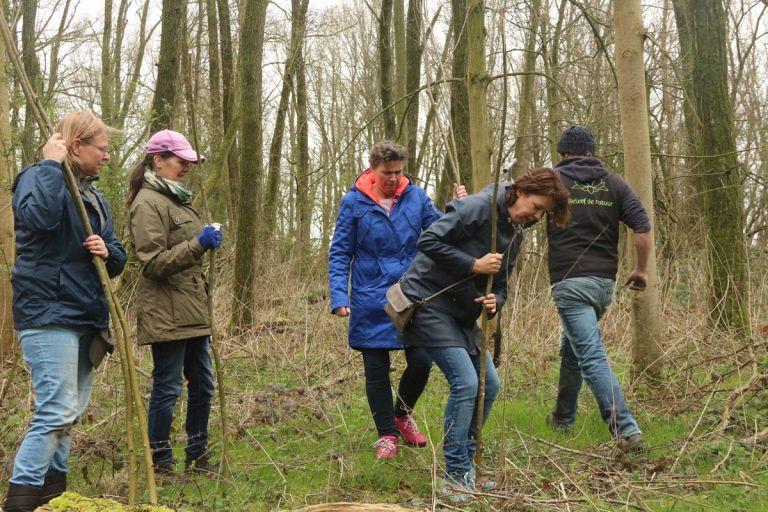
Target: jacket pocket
(80, 291)
(182, 228)
(190, 306)
(154, 310)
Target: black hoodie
(587, 246)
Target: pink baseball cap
(176, 143)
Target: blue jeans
(581, 302)
(62, 378)
(171, 358)
(462, 370)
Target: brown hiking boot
(164, 469)
(201, 464)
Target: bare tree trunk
(251, 47)
(413, 52)
(385, 68)
(169, 82)
(32, 68)
(633, 106)
(304, 195)
(477, 83)
(107, 87)
(214, 76)
(522, 157)
(709, 118)
(228, 97)
(117, 54)
(401, 67)
(459, 98)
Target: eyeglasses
(104, 150)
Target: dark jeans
(171, 358)
(379, 390)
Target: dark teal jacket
(54, 280)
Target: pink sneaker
(386, 447)
(410, 432)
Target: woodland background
(287, 97)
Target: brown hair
(386, 151)
(136, 177)
(546, 182)
(82, 125)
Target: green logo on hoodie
(593, 187)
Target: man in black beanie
(583, 260)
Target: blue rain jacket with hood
(54, 280)
(370, 251)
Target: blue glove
(210, 237)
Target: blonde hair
(82, 125)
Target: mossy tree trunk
(401, 66)
(385, 68)
(527, 102)
(459, 98)
(228, 99)
(107, 86)
(214, 76)
(32, 68)
(304, 196)
(251, 47)
(709, 120)
(413, 53)
(169, 82)
(477, 84)
(633, 107)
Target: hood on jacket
(366, 182)
(583, 169)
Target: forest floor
(301, 432)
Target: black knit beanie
(576, 140)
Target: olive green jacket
(172, 292)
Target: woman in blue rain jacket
(379, 222)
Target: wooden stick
(225, 470)
(480, 402)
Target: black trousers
(378, 388)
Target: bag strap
(518, 229)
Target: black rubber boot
(54, 486)
(21, 498)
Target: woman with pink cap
(170, 241)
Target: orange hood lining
(366, 183)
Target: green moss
(72, 502)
